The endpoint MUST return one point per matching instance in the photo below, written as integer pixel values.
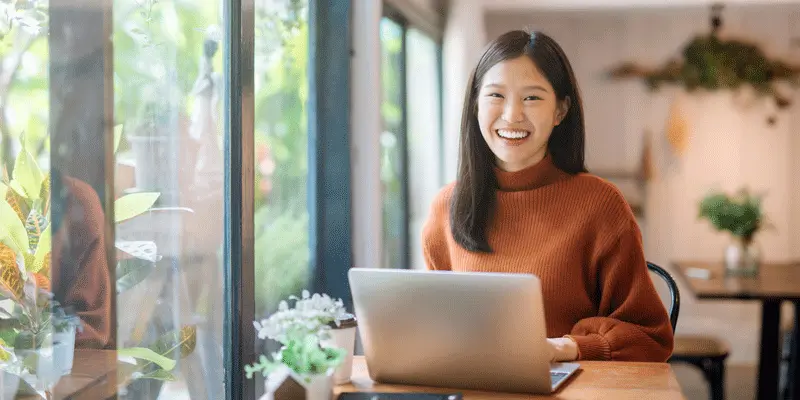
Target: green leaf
(159, 375)
(35, 225)
(12, 231)
(3, 190)
(183, 340)
(27, 173)
(129, 206)
(143, 353)
(42, 249)
(131, 272)
(117, 137)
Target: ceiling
(514, 5)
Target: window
(126, 265)
(411, 148)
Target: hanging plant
(712, 63)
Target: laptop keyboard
(556, 377)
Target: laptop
(465, 330)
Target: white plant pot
(64, 350)
(344, 338)
(317, 387)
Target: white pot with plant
(304, 367)
(740, 215)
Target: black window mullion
(405, 186)
(239, 288)
(329, 180)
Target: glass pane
(169, 169)
(424, 133)
(281, 226)
(281, 144)
(391, 150)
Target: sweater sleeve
(435, 232)
(632, 323)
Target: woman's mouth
(513, 136)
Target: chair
(705, 352)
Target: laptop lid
(482, 331)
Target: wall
(730, 143)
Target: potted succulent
(740, 215)
(305, 364)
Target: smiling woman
(524, 203)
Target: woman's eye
(532, 98)
(497, 95)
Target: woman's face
(517, 110)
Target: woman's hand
(562, 349)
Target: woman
(523, 203)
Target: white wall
(730, 145)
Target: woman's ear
(563, 108)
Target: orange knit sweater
(579, 236)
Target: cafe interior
(187, 186)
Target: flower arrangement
(301, 331)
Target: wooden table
(595, 380)
(777, 282)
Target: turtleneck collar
(540, 174)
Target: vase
(285, 384)
(742, 257)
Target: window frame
(396, 15)
(329, 179)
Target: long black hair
(474, 193)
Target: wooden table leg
(768, 366)
(794, 357)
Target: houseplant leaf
(27, 173)
(43, 249)
(35, 225)
(143, 353)
(129, 206)
(117, 137)
(160, 375)
(44, 194)
(183, 341)
(131, 271)
(11, 284)
(18, 203)
(12, 230)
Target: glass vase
(742, 257)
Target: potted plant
(37, 334)
(740, 215)
(304, 366)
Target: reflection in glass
(169, 166)
(392, 152)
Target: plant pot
(742, 258)
(64, 350)
(343, 336)
(285, 384)
(153, 162)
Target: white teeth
(509, 134)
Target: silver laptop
(480, 331)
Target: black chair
(674, 293)
(705, 352)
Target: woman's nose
(513, 112)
